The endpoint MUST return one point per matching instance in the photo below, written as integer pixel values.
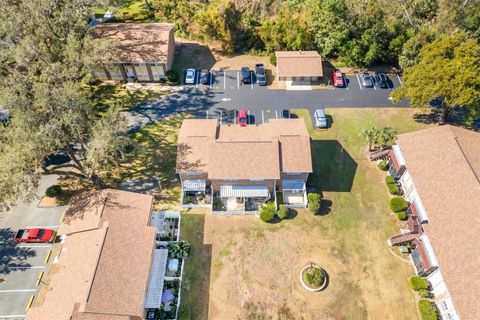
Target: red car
(337, 78)
(242, 118)
(35, 235)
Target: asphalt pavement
(224, 92)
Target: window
(142, 72)
(417, 261)
(293, 173)
(256, 180)
(191, 174)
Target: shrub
(282, 211)
(273, 59)
(402, 215)
(314, 277)
(89, 79)
(423, 293)
(172, 76)
(267, 212)
(427, 310)
(179, 249)
(389, 180)
(418, 283)
(53, 191)
(187, 199)
(314, 201)
(382, 165)
(392, 188)
(398, 204)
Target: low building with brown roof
(439, 173)
(108, 254)
(298, 66)
(145, 50)
(242, 167)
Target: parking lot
(22, 264)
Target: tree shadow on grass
(333, 167)
(325, 207)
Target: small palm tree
(372, 136)
(387, 135)
(179, 249)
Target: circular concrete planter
(306, 286)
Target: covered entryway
(294, 192)
(243, 199)
(195, 193)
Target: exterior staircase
(382, 154)
(402, 238)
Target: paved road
(225, 92)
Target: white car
(190, 76)
(320, 118)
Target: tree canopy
(44, 57)
(447, 70)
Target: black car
(204, 75)
(381, 80)
(246, 76)
(260, 74)
(285, 114)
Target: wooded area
(359, 33)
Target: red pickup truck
(35, 235)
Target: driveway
(226, 92)
(21, 264)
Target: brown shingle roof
(138, 42)
(444, 165)
(106, 231)
(299, 64)
(234, 152)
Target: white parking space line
(399, 80)
(31, 267)
(238, 81)
(221, 116)
(263, 118)
(359, 83)
(18, 290)
(41, 227)
(251, 80)
(234, 116)
(206, 114)
(224, 80)
(276, 114)
(34, 246)
(248, 118)
(345, 79)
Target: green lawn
(107, 94)
(348, 238)
(130, 11)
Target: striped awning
(193, 185)
(293, 184)
(243, 191)
(153, 298)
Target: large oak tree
(447, 70)
(47, 49)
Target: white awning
(153, 298)
(293, 184)
(193, 185)
(244, 191)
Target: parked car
(204, 75)
(381, 80)
(285, 114)
(246, 76)
(190, 76)
(367, 80)
(337, 78)
(242, 118)
(35, 235)
(320, 118)
(260, 74)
